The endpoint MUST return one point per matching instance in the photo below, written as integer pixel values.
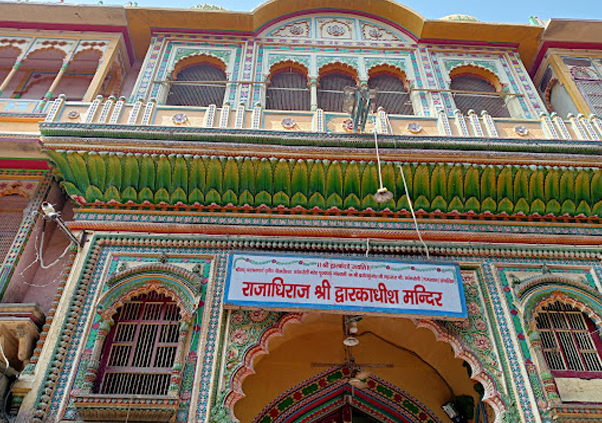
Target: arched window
(330, 91)
(140, 349)
(199, 85)
(570, 342)
(288, 90)
(561, 101)
(391, 94)
(476, 96)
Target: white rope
(405, 185)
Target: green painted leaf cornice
(318, 185)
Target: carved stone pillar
(95, 356)
(313, 93)
(12, 73)
(547, 380)
(178, 366)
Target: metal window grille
(11, 216)
(330, 91)
(566, 339)
(592, 91)
(200, 94)
(288, 91)
(140, 349)
(493, 103)
(391, 95)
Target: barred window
(140, 349)
(391, 94)
(330, 91)
(11, 216)
(288, 90)
(478, 95)
(570, 342)
(198, 85)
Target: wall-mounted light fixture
(51, 214)
(452, 413)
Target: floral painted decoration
(179, 118)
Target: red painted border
(24, 164)
(559, 44)
(74, 27)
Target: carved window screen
(479, 99)
(199, 86)
(140, 349)
(330, 91)
(391, 95)
(11, 216)
(570, 342)
(288, 91)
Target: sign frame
(289, 306)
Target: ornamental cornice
(55, 134)
(322, 240)
(193, 183)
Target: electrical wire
(386, 341)
(405, 185)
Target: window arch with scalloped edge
(391, 92)
(332, 83)
(200, 85)
(478, 94)
(288, 89)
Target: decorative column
(94, 360)
(562, 130)
(12, 73)
(55, 83)
(104, 66)
(178, 366)
(461, 123)
(545, 374)
(313, 93)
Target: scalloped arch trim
(259, 348)
(330, 390)
(384, 69)
(578, 299)
(479, 373)
(173, 282)
(532, 283)
(282, 65)
(478, 71)
(338, 67)
(198, 59)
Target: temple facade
(326, 212)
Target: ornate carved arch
(573, 296)
(198, 59)
(534, 282)
(479, 372)
(329, 391)
(392, 70)
(258, 348)
(338, 67)
(38, 50)
(9, 47)
(172, 281)
(547, 94)
(478, 71)
(87, 50)
(281, 66)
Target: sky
(511, 11)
